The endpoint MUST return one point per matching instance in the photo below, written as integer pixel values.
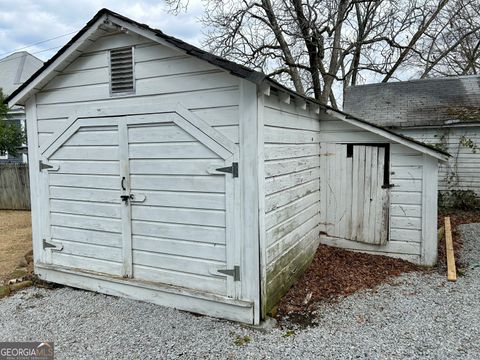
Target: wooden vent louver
(121, 71)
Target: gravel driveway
(419, 316)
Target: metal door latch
(127, 197)
(387, 186)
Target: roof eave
(414, 144)
(23, 92)
(417, 145)
(435, 126)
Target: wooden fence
(14, 187)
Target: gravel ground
(417, 316)
(470, 234)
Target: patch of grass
(15, 240)
(19, 273)
(288, 333)
(38, 295)
(242, 340)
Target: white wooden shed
(163, 173)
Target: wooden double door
(141, 197)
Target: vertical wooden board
(380, 195)
(323, 187)
(336, 188)
(383, 211)
(232, 198)
(327, 187)
(247, 202)
(123, 145)
(360, 195)
(367, 194)
(451, 269)
(260, 306)
(355, 190)
(348, 197)
(375, 187)
(44, 180)
(33, 166)
(341, 160)
(331, 206)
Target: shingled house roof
(430, 102)
(17, 68)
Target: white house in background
(444, 112)
(15, 69)
(164, 173)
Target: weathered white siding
(411, 200)
(84, 202)
(465, 162)
(292, 192)
(163, 75)
(184, 232)
(299, 210)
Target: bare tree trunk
(358, 46)
(308, 35)
(293, 71)
(329, 77)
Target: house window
(122, 79)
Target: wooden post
(451, 270)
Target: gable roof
(234, 68)
(73, 48)
(17, 68)
(420, 103)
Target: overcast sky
(24, 22)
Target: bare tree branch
(319, 47)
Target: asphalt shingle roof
(431, 102)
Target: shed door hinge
(235, 272)
(230, 169)
(43, 166)
(47, 245)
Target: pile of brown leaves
(336, 272)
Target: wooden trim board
(388, 135)
(451, 269)
(249, 195)
(179, 298)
